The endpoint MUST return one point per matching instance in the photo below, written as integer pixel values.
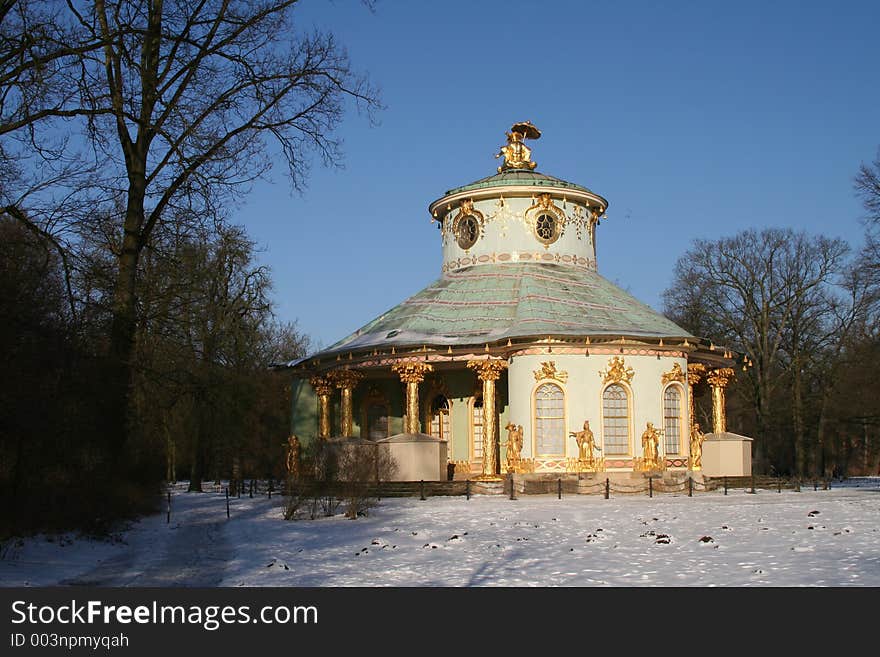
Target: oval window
(468, 231)
(546, 228)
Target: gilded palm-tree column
(346, 380)
(489, 371)
(696, 372)
(718, 380)
(412, 374)
(323, 388)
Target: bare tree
(762, 291)
(867, 186)
(182, 104)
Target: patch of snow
(741, 539)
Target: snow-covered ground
(823, 538)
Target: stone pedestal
(727, 454)
(417, 456)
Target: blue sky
(694, 119)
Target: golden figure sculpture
(516, 154)
(650, 446)
(514, 445)
(697, 438)
(293, 451)
(585, 443)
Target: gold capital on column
(412, 374)
(489, 371)
(346, 380)
(718, 380)
(323, 388)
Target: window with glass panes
(477, 429)
(440, 418)
(549, 420)
(672, 419)
(615, 420)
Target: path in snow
(191, 551)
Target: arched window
(615, 420)
(549, 420)
(672, 419)
(477, 429)
(439, 418)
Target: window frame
(564, 419)
(629, 419)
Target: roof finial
(516, 154)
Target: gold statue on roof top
(516, 154)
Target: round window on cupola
(546, 220)
(545, 228)
(467, 232)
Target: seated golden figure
(516, 154)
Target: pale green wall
(506, 231)
(583, 391)
(304, 411)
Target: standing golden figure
(586, 444)
(651, 447)
(293, 456)
(697, 438)
(514, 445)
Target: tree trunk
(124, 324)
(800, 443)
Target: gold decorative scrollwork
(617, 371)
(696, 372)
(412, 372)
(548, 371)
(546, 220)
(675, 374)
(721, 377)
(467, 225)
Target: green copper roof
(486, 303)
(517, 177)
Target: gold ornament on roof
(548, 371)
(675, 374)
(516, 154)
(617, 371)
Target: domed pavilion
(520, 357)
